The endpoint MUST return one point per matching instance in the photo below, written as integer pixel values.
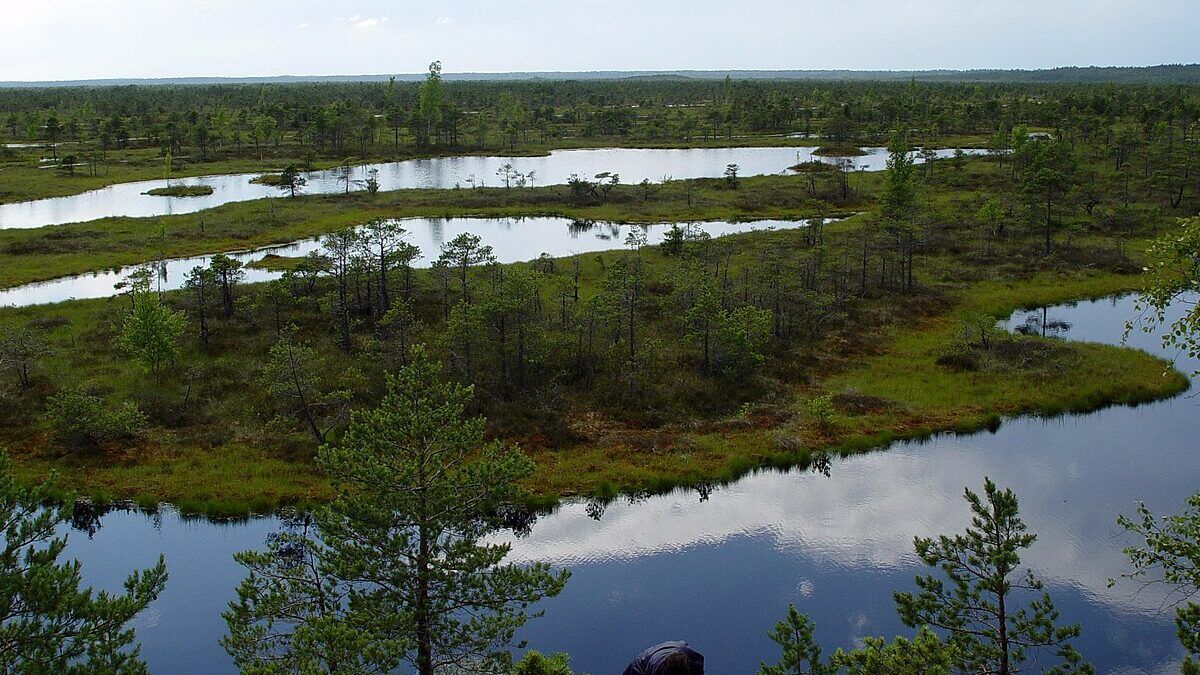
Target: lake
(633, 165)
(719, 568)
(512, 240)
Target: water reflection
(512, 240)
(718, 565)
(633, 165)
(1039, 323)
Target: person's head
(679, 663)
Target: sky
(85, 39)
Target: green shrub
(79, 419)
(151, 331)
(980, 332)
(821, 409)
(742, 337)
(535, 663)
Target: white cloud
(367, 23)
(354, 18)
(442, 20)
(302, 25)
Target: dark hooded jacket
(650, 661)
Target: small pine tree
(151, 332)
(400, 567)
(989, 627)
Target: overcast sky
(78, 39)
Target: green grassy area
(839, 151)
(907, 394)
(911, 397)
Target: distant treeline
(1161, 74)
(340, 120)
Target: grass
(842, 150)
(230, 480)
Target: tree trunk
(1048, 208)
(632, 303)
(304, 407)
(1002, 618)
(385, 300)
(521, 354)
(424, 632)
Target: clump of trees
(81, 420)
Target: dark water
(633, 165)
(512, 240)
(720, 571)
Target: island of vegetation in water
(839, 151)
(181, 191)
(273, 179)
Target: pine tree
(398, 568)
(151, 332)
(990, 628)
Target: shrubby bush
(536, 663)
(821, 409)
(742, 337)
(80, 419)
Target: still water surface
(719, 571)
(511, 239)
(632, 164)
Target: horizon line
(702, 73)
